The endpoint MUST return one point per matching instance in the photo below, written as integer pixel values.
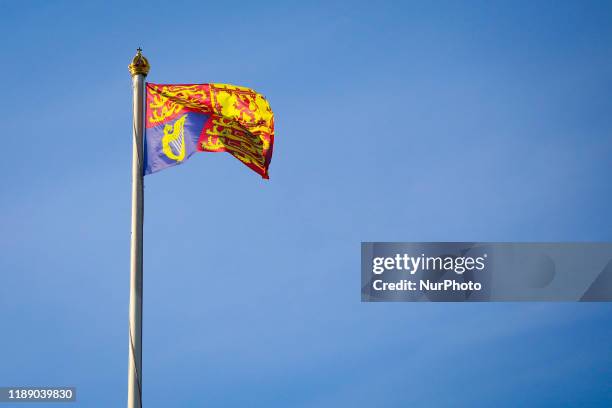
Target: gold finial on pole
(140, 65)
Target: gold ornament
(139, 65)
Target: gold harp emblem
(173, 141)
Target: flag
(181, 120)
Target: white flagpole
(139, 68)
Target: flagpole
(139, 68)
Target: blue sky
(411, 121)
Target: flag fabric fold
(181, 120)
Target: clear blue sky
(420, 121)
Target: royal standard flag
(184, 119)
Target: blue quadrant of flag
(173, 142)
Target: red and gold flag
(184, 119)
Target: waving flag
(184, 119)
